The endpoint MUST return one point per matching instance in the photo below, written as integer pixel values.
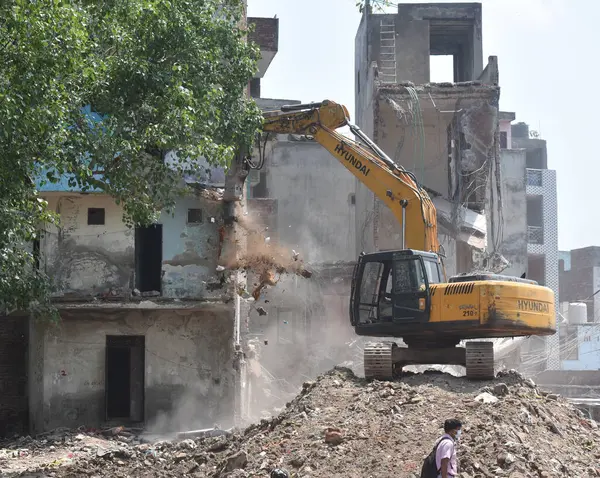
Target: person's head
(453, 427)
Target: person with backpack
(442, 461)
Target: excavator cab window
(369, 280)
(434, 273)
(411, 288)
(389, 287)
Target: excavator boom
(395, 186)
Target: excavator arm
(396, 187)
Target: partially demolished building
(447, 134)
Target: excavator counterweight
(405, 293)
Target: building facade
(580, 279)
(579, 284)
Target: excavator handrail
(395, 186)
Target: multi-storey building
(526, 230)
(446, 133)
(149, 329)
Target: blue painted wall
(190, 251)
(62, 185)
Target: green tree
(162, 75)
(375, 4)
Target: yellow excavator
(405, 293)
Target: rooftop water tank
(577, 313)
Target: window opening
(96, 216)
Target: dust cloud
(298, 326)
(184, 417)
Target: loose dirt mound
(342, 426)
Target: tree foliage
(375, 4)
(162, 75)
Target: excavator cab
(392, 288)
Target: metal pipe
(376, 149)
(403, 203)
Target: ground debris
(343, 426)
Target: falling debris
(243, 293)
(266, 278)
(261, 311)
(211, 194)
(220, 268)
(264, 258)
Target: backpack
(429, 469)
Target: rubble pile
(341, 425)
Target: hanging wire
(261, 152)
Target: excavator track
(378, 363)
(480, 360)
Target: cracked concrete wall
(189, 376)
(87, 259)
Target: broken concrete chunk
(500, 389)
(261, 311)
(486, 397)
(236, 461)
(505, 459)
(220, 268)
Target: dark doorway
(125, 377)
(14, 411)
(148, 258)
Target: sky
(547, 56)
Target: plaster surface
(188, 376)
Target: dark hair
(452, 424)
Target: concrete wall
(87, 259)
(505, 127)
(365, 118)
(189, 377)
(585, 257)
(579, 284)
(398, 136)
(511, 236)
(191, 251)
(537, 153)
(315, 214)
(422, 30)
(99, 260)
